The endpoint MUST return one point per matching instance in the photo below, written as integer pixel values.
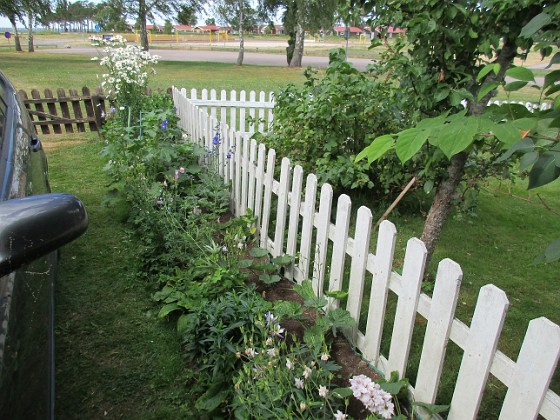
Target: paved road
(218, 57)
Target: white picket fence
(242, 113)
(303, 229)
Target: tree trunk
(142, 14)
(17, 42)
(30, 46)
(241, 38)
(442, 203)
(298, 47)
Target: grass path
(114, 359)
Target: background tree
(142, 10)
(455, 51)
(110, 15)
(12, 10)
(236, 14)
(32, 11)
(210, 21)
(186, 15)
(299, 16)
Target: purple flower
(216, 139)
(164, 124)
(175, 109)
(182, 170)
(176, 174)
(113, 110)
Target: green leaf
(521, 73)
(458, 136)
(342, 392)
(394, 388)
(305, 289)
(431, 408)
(513, 86)
(337, 294)
(441, 94)
(507, 133)
(527, 160)
(545, 170)
(282, 261)
(410, 142)
(317, 302)
(269, 278)
(378, 147)
(487, 88)
(213, 397)
(554, 60)
(523, 146)
(551, 78)
(245, 264)
(340, 318)
(428, 186)
(258, 252)
(288, 309)
(535, 25)
(183, 322)
(167, 309)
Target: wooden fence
(68, 113)
(302, 228)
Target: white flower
(340, 415)
(299, 383)
(325, 357)
(306, 372)
(271, 352)
(323, 391)
(250, 352)
(302, 406)
(289, 364)
(269, 342)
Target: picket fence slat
(293, 223)
(539, 353)
(304, 231)
(442, 308)
(338, 259)
(383, 264)
(322, 238)
(486, 326)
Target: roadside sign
(97, 28)
(7, 34)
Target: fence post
(322, 240)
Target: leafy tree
(110, 15)
(299, 16)
(458, 51)
(186, 15)
(237, 14)
(143, 10)
(210, 22)
(167, 27)
(32, 11)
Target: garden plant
(201, 265)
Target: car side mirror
(34, 226)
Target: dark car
(33, 224)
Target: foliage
(128, 69)
(325, 123)
(213, 332)
(455, 51)
(279, 381)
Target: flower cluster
(127, 75)
(372, 396)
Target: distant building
(341, 30)
(391, 31)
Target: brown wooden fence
(68, 113)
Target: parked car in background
(33, 224)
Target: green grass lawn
(497, 246)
